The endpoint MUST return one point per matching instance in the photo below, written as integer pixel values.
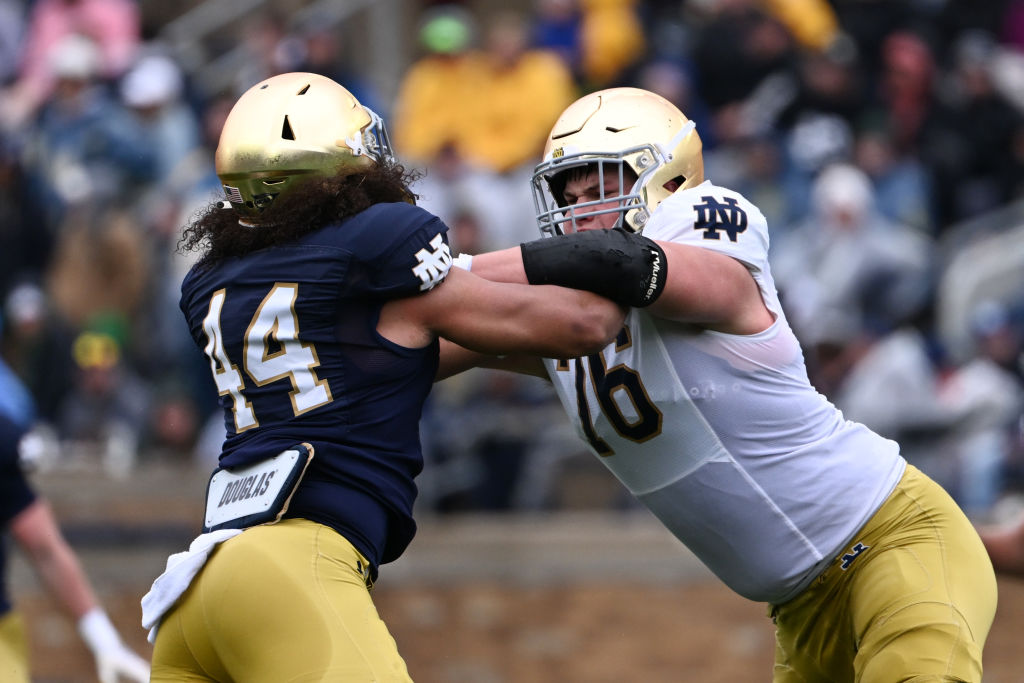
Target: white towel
(181, 569)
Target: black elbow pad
(625, 267)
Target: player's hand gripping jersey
(722, 436)
(296, 357)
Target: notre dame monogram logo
(433, 265)
(714, 215)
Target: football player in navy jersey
(28, 519)
(318, 299)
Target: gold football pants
(13, 649)
(911, 599)
(284, 602)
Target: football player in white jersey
(702, 408)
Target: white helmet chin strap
(666, 148)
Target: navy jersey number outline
(271, 352)
(606, 382)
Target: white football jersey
(722, 436)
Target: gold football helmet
(619, 130)
(290, 127)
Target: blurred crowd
(884, 142)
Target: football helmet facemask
(289, 128)
(633, 133)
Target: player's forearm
(56, 564)
(455, 359)
(505, 265)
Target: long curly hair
(216, 234)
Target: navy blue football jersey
(15, 493)
(290, 333)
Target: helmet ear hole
(286, 130)
(674, 184)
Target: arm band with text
(623, 266)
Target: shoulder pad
(402, 248)
(714, 218)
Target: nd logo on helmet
(558, 152)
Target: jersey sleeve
(713, 218)
(402, 249)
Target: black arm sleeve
(623, 266)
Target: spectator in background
(847, 267)
(813, 110)
(25, 241)
(812, 23)
(431, 107)
(437, 88)
(179, 368)
(101, 267)
(611, 41)
(477, 117)
(113, 25)
(868, 25)
(969, 140)
(522, 89)
(953, 423)
(1012, 25)
(37, 346)
(991, 383)
(556, 27)
(826, 84)
(106, 412)
(152, 90)
(12, 28)
(738, 46)
(905, 98)
(167, 127)
(903, 184)
(83, 149)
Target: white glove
(113, 658)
